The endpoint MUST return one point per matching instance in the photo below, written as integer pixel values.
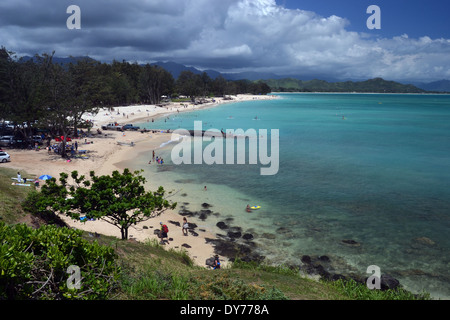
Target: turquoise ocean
(372, 168)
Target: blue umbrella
(45, 177)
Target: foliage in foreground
(359, 291)
(11, 196)
(346, 288)
(34, 263)
(222, 285)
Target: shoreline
(104, 155)
(140, 113)
(355, 92)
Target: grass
(11, 196)
(358, 291)
(150, 272)
(182, 100)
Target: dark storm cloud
(219, 34)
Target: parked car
(6, 141)
(112, 126)
(4, 157)
(37, 138)
(6, 129)
(20, 143)
(130, 127)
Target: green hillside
(377, 85)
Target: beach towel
(21, 184)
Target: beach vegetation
(11, 198)
(189, 84)
(359, 291)
(43, 96)
(119, 199)
(155, 82)
(149, 271)
(34, 264)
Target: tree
(22, 91)
(119, 199)
(259, 87)
(85, 90)
(154, 81)
(206, 83)
(189, 84)
(5, 90)
(219, 86)
(58, 98)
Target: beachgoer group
(158, 159)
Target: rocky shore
(235, 243)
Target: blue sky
(325, 39)
(417, 18)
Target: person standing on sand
(164, 232)
(216, 264)
(185, 226)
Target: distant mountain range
(292, 83)
(175, 69)
(60, 60)
(436, 86)
(378, 85)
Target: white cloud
(222, 34)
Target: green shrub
(34, 262)
(152, 283)
(222, 287)
(35, 203)
(359, 291)
(257, 266)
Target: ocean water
(373, 168)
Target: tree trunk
(63, 146)
(75, 126)
(124, 233)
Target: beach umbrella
(45, 177)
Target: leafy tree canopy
(34, 264)
(119, 199)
